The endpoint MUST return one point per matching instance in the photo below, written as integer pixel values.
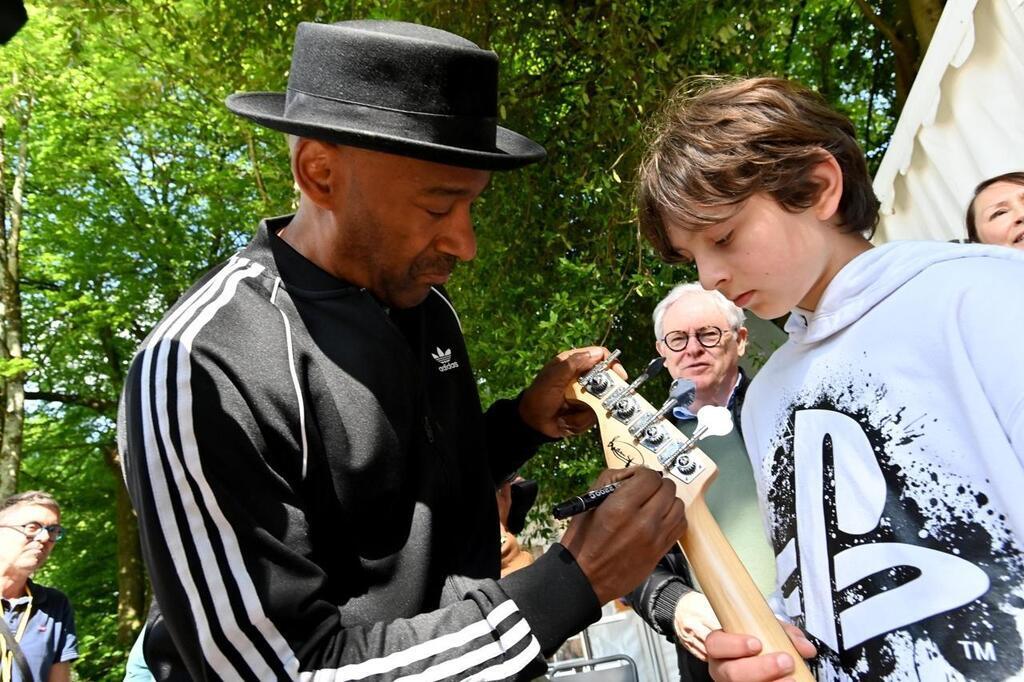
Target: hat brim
(512, 150)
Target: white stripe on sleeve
(437, 646)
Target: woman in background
(996, 213)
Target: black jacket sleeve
(656, 598)
(510, 442)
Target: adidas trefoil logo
(443, 358)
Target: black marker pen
(584, 502)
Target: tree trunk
(13, 384)
(909, 31)
(794, 27)
(7, 472)
(132, 586)
(131, 574)
(925, 15)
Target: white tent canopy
(963, 122)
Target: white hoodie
(886, 437)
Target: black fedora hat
(394, 87)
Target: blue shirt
(135, 669)
(49, 636)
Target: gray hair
(34, 497)
(733, 315)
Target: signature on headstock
(617, 446)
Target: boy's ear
(830, 179)
(316, 170)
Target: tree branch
(794, 27)
(92, 402)
(40, 285)
(106, 336)
(905, 59)
(877, 21)
(256, 166)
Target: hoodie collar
(870, 278)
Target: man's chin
(409, 297)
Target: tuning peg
(683, 390)
(715, 420)
(595, 381)
(619, 402)
(665, 407)
(712, 420)
(653, 367)
(646, 427)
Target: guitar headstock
(634, 433)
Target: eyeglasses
(709, 337)
(33, 529)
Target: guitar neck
(630, 438)
(730, 590)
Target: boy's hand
(694, 621)
(734, 658)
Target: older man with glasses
(702, 338)
(37, 631)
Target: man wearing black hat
(302, 436)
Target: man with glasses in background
(702, 338)
(37, 632)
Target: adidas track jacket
(314, 480)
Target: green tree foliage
(139, 180)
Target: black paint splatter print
(924, 511)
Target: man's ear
(741, 341)
(316, 170)
(829, 177)
(662, 350)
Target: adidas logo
(443, 358)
